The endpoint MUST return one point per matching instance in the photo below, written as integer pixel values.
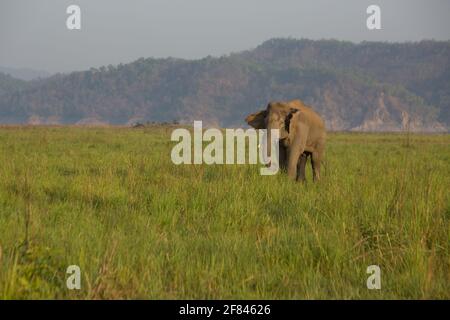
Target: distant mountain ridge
(26, 74)
(371, 86)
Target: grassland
(111, 201)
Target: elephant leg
(315, 163)
(301, 165)
(317, 157)
(295, 150)
(294, 153)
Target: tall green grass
(111, 201)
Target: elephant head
(277, 115)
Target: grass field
(111, 201)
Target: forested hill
(368, 86)
(10, 84)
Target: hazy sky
(33, 33)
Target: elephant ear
(288, 123)
(257, 120)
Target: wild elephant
(302, 134)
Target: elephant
(302, 135)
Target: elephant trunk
(271, 145)
(269, 141)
